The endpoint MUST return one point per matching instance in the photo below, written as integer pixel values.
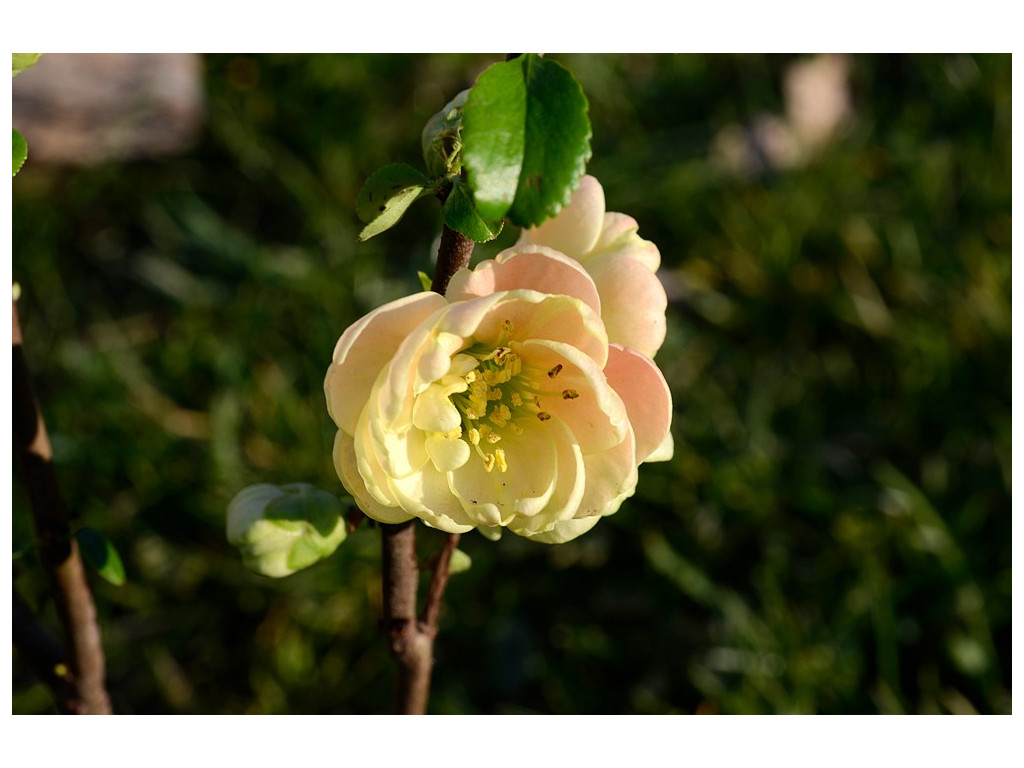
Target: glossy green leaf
(20, 152)
(100, 554)
(22, 61)
(526, 139)
(387, 195)
(461, 215)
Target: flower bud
(441, 139)
(283, 529)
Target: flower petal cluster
(621, 263)
(500, 405)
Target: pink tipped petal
(646, 395)
(535, 267)
(633, 303)
(365, 348)
(577, 226)
(572, 389)
(522, 314)
(664, 451)
(619, 236)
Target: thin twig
(58, 550)
(438, 582)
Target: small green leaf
(386, 196)
(526, 139)
(460, 562)
(20, 152)
(461, 215)
(100, 554)
(425, 280)
(22, 61)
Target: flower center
(496, 401)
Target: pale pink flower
(500, 406)
(621, 263)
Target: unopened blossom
(502, 405)
(283, 529)
(621, 263)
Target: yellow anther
(516, 398)
(489, 462)
(516, 428)
(474, 436)
(499, 457)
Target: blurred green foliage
(833, 534)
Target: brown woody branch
(412, 638)
(58, 550)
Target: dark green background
(833, 534)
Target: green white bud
(283, 529)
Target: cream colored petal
(565, 530)
(643, 389)
(573, 389)
(447, 453)
(534, 267)
(433, 410)
(346, 466)
(633, 303)
(365, 348)
(575, 229)
(374, 479)
(427, 495)
(569, 490)
(398, 453)
(611, 479)
(664, 451)
(495, 497)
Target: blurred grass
(833, 534)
